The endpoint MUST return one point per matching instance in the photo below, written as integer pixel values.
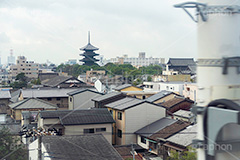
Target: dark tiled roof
(180, 61)
(82, 147)
(80, 117)
(122, 87)
(170, 130)
(125, 151)
(83, 90)
(156, 126)
(159, 95)
(54, 82)
(32, 103)
(174, 101)
(125, 103)
(89, 47)
(107, 96)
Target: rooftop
(5, 94)
(125, 103)
(118, 88)
(45, 93)
(80, 117)
(107, 96)
(185, 137)
(184, 114)
(32, 103)
(180, 61)
(57, 80)
(81, 147)
(83, 90)
(175, 101)
(159, 95)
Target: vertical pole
(133, 152)
(39, 147)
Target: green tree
(149, 79)
(21, 81)
(11, 147)
(36, 81)
(190, 154)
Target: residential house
(154, 135)
(82, 98)
(191, 91)
(55, 96)
(93, 75)
(184, 115)
(139, 94)
(176, 86)
(101, 101)
(30, 104)
(177, 103)
(161, 97)
(5, 97)
(180, 141)
(64, 82)
(78, 122)
(80, 147)
(130, 115)
(127, 87)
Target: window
(58, 99)
(49, 99)
(119, 133)
(70, 99)
(89, 130)
(111, 112)
(120, 115)
(58, 105)
(100, 129)
(143, 140)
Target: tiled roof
(156, 126)
(81, 147)
(170, 130)
(125, 151)
(80, 117)
(184, 114)
(159, 95)
(125, 103)
(89, 47)
(83, 90)
(185, 137)
(174, 101)
(180, 61)
(122, 87)
(5, 94)
(107, 96)
(54, 82)
(31, 103)
(45, 93)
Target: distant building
(71, 61)
(30, 68)
(139, 61)
(11, 59)
(89, 54)
(182, 65)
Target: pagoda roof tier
(89, 54)
(89, 59)
(89, 47)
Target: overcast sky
(55, 29)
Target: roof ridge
(23, 101)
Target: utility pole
(133, 152)
(40, 147)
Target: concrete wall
(191, 91)
(78, 130)
(83, 100)
(138, 117)
(144, 145)
(33, 152)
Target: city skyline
(56, 30)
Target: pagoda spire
(88, 37)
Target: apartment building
(30, 68)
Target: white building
(139, 61)
(176, 87)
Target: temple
(89, 53)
